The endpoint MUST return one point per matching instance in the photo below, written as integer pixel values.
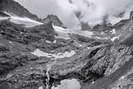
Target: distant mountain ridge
(14, 7)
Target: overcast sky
(44, 7)
(91, 11)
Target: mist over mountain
(47, 7)
(92, 12)
(66, 45)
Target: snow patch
(54, 41)
(41, 87)
(24, 20)
(64, 33)
(49, 42)
(60, 29)
(102, 38)
(85, 33)
(10, 14)
(114, 38)
(27, 22)
(40, 53)
(113, 31)
(114, 20)
(3, 18)
(68, 84)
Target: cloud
(72, 12)
(39, 7)
(95, 11)
(44, 7)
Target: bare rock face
(97, 61)
(33, 57)
(119, 64)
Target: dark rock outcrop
(85, 26)
(54, 19)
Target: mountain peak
(54, 19)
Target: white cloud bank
(95, 11)
(90, 11)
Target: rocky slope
(35, 58)
(16, 9)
